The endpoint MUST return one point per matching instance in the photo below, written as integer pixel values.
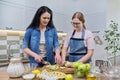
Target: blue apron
(77, 48)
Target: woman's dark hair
(80, 16)
(36, 20)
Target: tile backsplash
(11, 43)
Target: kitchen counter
(4, 76)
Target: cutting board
(65, 70)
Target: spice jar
(15, 67)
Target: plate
(28, 76)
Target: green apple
(82, 68)
(76, 64)
(69, 77)
(80, 74)
(76, 71)
(88, 67)
(87, 72)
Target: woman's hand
(58, 59)
(38, 58)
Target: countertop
(4, 76)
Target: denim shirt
(32, 39)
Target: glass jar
(15, 67)
(91, 76)
(113, 73)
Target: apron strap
(73, 33)
(83, 34)
(77, 54)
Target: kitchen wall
(113, 13)
(18, 14)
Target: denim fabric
(32, 38)
(77, 48)
(77, 44)
(73, 58)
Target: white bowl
(28, 76)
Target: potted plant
(112, 37)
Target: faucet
(10, 51)
(10, 54)
(13, 45)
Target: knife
(45, 62)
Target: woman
(41, 39)
(80, 40)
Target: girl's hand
(68, 64)
(63, 62)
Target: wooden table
(4, 76)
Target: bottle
(15, 67)
(91, 76)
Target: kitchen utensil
(45, 62)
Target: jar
(91, 76)
(113, 73)
(15, 67)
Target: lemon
(36, 71)
(69, 77)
